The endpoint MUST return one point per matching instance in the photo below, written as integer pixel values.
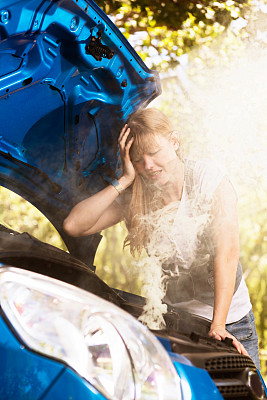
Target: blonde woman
(202, 271)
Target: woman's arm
(95, 213)
(226, 240)
(100, 211)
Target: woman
(202, 271)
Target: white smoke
(160, 250)
(173, 242)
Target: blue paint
(196, 383)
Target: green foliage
(168, 29)
(114, 264)
(19, 215)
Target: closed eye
(140, 159)
(154, 152)
(137, 160)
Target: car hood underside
(68, 81)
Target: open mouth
(154, 175)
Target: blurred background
(212, 60)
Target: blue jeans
(245, 331)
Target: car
(68, 81)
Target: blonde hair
(144, 125)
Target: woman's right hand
(100, 210)
(127, 165)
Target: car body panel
(23, 374)
(199, 381)
(70, 386)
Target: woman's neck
(173, 190)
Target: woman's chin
(160, 182)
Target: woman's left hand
(220, 333)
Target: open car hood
(68, 81)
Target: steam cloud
(173, 242)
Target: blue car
(68, 81)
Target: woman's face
(159, 163)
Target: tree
(168, 29)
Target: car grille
(230, 362)
(225, 370)
(234, 391)
(235, 376)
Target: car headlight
(102, 343)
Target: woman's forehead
(147, 144)
(144, 143)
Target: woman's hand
(220, 333)
(127, 165)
